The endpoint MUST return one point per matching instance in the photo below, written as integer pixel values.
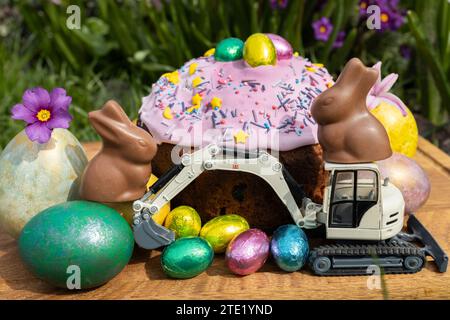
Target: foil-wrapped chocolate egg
(289, 247)
(247, 252)
(282, 46)
(222, 229)
(184, 221)
(409, 177)
(259, 50)
(229, 49)
(187, 257)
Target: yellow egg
(126, 208)
(184, 221)
(220, 230)
(259, 50)
(402, 130)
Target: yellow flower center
(44, 115)
(384, 17)
(323, 29)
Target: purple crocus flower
(43, 112)
(339, 42)
(322, 29)
(279, 4)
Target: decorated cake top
(252, 95)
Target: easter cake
(252, 95)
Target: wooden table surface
(143, 277)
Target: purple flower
(43, 112)
(363, 4)
(278, 4)
(339, 40)
(322, 29)
(405, 51)
(391, 17)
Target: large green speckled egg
(77, 234)
(36, 176)
(222, 229)
(187, 257)
(184, 221)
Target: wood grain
(144, 279)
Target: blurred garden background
(124, 46)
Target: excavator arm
(150, 235)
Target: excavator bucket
(431, 247)
(150, 235)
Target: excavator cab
(358, 205)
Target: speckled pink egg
(409, 177)
(247, 252)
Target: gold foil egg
(184, 221)
(222, 229)
(259, 50)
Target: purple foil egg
(247, 252)
(409, 177)
(282, 46)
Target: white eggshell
(36, 176)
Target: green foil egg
(229, 49)
(184, 221)
(222, 229)
(186, 257)
(77, 240)
(259, 50)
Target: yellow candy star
(167, 113)
(192, 68)
(240, 137)
(210, 52)
(318, 65)
(196, 81)
(311, 69)
(197, 99)
(216, 103)
(194, 107)
(295, 54)
(173, 77)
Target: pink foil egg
(247, 252)
(409, 177)
(282, 46)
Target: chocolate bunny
(120, 171)
(347, 131)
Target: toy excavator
(362, 214)
(356, 206)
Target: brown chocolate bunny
(347, 131)
(120, 171)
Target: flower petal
(20, 112)
(59, 119)
(387, 83)
(36, 99)
(39, 132)
(372, 102)
(377, 66)
(59, 99)
(393, 99)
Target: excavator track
(355, 259)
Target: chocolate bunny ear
(357, 78)
(110, 121)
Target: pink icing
(270, 104)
